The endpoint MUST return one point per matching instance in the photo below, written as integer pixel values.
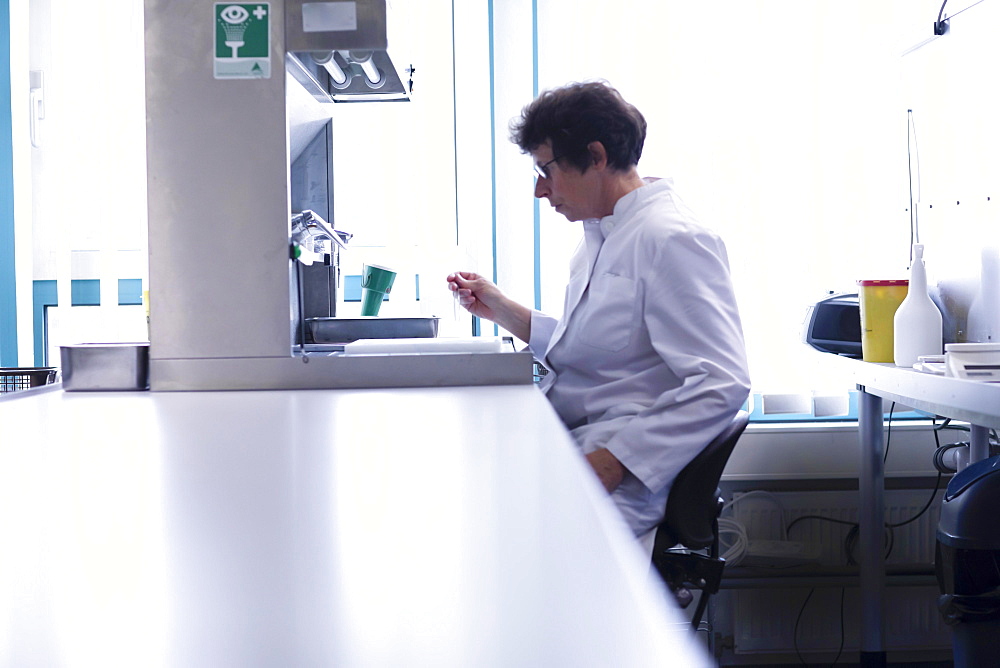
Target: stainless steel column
(871, 484)
(217, 161)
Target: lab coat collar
(654, 185)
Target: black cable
(994, 441)
(851, 539)
(941, 13)
(850, 542)
(854, 537)
(798, 619)
(947, 425)
(937, 486)
(911, 130)
(941, 452)
(817, 517)
(958, 12)
(930, 500)
(888, 433)
(940, 27)
(840, 650)
(957, 427)
(795, 631)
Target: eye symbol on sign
(234, 14)
(235, 25)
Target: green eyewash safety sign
(242, 40)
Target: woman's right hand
(478, 295)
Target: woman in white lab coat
(647, 363)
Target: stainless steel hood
(224, 122)
(334, 76)
(360, 69)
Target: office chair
(691, 523)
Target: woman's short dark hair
(573, 116)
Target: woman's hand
(476, 294)
(480, 297)
(607, 467)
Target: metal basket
(13, 379)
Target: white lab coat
(648, 359)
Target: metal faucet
(312, 236)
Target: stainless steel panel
(370, 20)
(217, 161)
(338, 371)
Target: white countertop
(384, 527)
(968, 400)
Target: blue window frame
(8, 288)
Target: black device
(833, 325)
(967, 563)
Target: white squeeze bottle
(917, 326)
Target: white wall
(947, 85)
(797, 452)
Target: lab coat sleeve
(693, 323)
(542, 328)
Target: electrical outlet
(780, 553)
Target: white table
(968, 401)
(397, 527)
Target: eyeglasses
(542, 170)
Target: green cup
(376, 282)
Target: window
(782, 125)
(83, 185)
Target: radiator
(764, 619)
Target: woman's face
(574, 194)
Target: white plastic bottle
(917, 325)
(984, 312)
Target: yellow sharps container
(879, 301)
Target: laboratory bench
(977, 403)
(380, 527)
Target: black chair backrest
(692, 506)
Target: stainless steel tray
(105, 366)
(346, 330)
